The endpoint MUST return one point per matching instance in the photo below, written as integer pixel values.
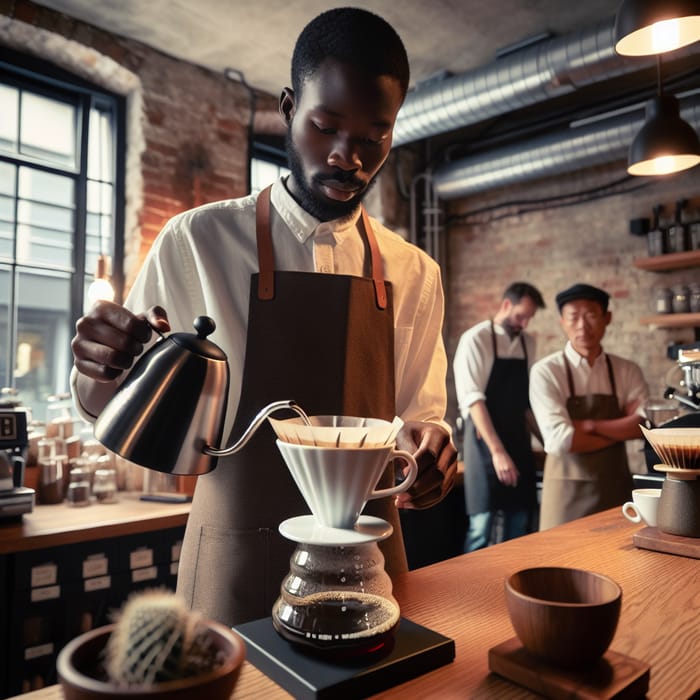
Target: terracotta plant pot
(565, 617)
(79, 671)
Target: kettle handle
(254, 425)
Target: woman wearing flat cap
(587, 404)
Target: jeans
(515, 524)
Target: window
(60, 182)
(267, 163)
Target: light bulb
(100, 289)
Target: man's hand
(109, 337)
(436, 457)
(506, 471)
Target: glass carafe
(337, 600)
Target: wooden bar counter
(463, 599)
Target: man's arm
(505, 468)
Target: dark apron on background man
(582, 483)
(326, 342)
(507, 403)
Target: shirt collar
(577, 360)
(302, 224)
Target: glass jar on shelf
(663, 300)
(694, 297)
(681, 299)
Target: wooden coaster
(614, 676)
(658, 541)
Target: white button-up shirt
(201, 263)
(474, 358)
(549, 391)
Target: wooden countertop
(49, 526)
(463, 599)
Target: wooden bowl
(79, 664)
(565, 617)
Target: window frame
(24, 71)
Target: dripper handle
(406, 483)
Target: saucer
(678, 472)
(304, 528)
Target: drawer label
(173, 568)
(140, 558)
(37, 651)
(45, 593)
(44, 575)
(98, 583)
(95, 565)
(175, 551)
(145, 574)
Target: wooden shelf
(672, 320)
(670, 261)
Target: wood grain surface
(463, 598)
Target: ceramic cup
(643, 506)
(337, 482)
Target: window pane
(45, 232)
(46, 187)
(7, 179)
(100, 157)
(7, 228)
(5, 349)
(48, 130)
(9, 109)
(42, 358)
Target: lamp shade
(665, 144)
(646, 27)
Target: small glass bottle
(656, 238)
(104, 486)
(677, 231)
(78, 493)
(681, 299)
(694, 298)
(663, 300)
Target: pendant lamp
(665, 144)
(647, 27)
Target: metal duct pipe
(534, 74)
(594, 144)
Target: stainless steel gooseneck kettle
(168, 414)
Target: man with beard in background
(314, 301)
(491, 368)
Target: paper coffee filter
(337, 431)
(676, 447)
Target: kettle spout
(254, 425)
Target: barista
(587, 403)
(363, 340)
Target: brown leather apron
(582, 483)
(327, 342)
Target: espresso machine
(683, 392)
(15, 498)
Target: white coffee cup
(643, 506)
(337, 482)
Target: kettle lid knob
(204, 325)
(199, 344)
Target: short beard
(510, 329)
(322, 209)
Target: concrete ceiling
(257, 37)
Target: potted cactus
(156, 648)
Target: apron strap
(495, 350)
(266, 261)
(570, 378)
(375, 262)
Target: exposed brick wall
(187, 127)
(554, 248)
